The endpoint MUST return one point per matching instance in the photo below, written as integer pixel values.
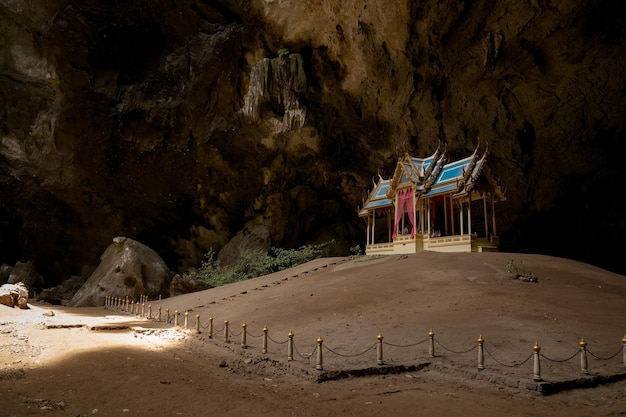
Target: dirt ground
(61, 361)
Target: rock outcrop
(182, 285)
(25, 273)
(127, 269)
(179, 124)
(14, 295)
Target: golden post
(319, 366)
(481, 356)
(583, 355)
(264, 350)
(244, 344)
(536, 364)
(431, 346)
(290, 346)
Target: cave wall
(149, 119)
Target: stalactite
(279, 79)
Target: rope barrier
(350, 356)
(304, 356)
(409, 345)
(608, 358)
(275, 341)
(560, 360)
(457, 352)
(233, 334)
(138, 308)
(514, 365)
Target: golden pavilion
(432, 204)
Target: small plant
(355, 250)
(520, 271)
(252, 263)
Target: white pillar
(373, 227)
(536, 364)
(428, 214)
(445, 214)
(461, 214)
(583, 356)
(485, 217)
(469, 215)
(493, 217)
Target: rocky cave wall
(177, 125)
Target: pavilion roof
(377, 197)
(432, 176)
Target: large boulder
(14, 295)
(254, 236)
(62, 293)
(25, 272)
(127, 268)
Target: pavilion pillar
(421, 219)
(414, 216)
(373, 227)
(428, 214)
(493, 217)
(469, 215)
(445, 215)
(485, 215)
(395, 214)
(452, 214)
(461, 214)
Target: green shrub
(520, 271)
(253, 263)
(355, 250)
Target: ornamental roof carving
(433, 176)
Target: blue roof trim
(431, 175)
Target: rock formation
(127, 269)
(14, 295)
(184, 124)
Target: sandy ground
(61, 361)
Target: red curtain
(405, 204)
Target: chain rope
(504, 364)
(301, 355)
(350, 356)
(560, 360)
(112, 304)
(606, 359)
(457, 352)
(409, 345)
(275, 341)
